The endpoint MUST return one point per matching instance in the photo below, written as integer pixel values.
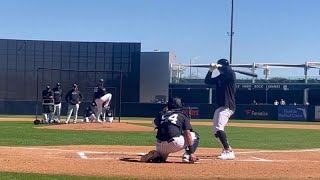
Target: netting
(86, 81)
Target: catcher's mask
(174, 103)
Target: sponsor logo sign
(256, 113)
(294, 113)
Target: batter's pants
(221, 118)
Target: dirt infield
(123, 161)
(100, 127)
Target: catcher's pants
(164, 148)
(57, 111)
(74, 109)
(221, 118)
(90, 118)
(106, 98)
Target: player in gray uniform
(57, 96)
(101, 96)
(174, 134)
(74, 98)
(225, 100)
(47, 104)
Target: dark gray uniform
(74, 98)
(47, 104)
(57, 91)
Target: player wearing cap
(225, 100)
(101, 97)
(74, 98)
(57, 96)
(47, 104)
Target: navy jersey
(99, 91)
(225, 88)
(171, 124)
(47, 94)
(74, 97)
(57, 95)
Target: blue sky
(286, 31)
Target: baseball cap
(58, 84)
(100, 80)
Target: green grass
(18, 176)
(193, 120)
(24, 134)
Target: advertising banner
(317, 113)
(292, 113)
(257, 112)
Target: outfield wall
(202, 111)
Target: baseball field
(263, 149)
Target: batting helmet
(174, 103)
(223, 62)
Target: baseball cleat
(226, 155)
(150, 156)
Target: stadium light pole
(231, 32)
(192, 59)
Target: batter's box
(107, 155)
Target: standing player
(101, 96)
(74, 98)
(47, 104)
(174, 134)
(225, 100)
(57, 91)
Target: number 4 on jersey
(173, 118)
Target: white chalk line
(278, 151)
(140, 154)
(82, 155)
(72, 150)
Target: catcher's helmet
(174, 103)
(223, 62)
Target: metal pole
(37, 91)
(210, 95)
(120, 94)
(231, 32)
(190, 69)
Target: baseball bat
(246, 73)
(238, 71)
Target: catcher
(174, 134)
